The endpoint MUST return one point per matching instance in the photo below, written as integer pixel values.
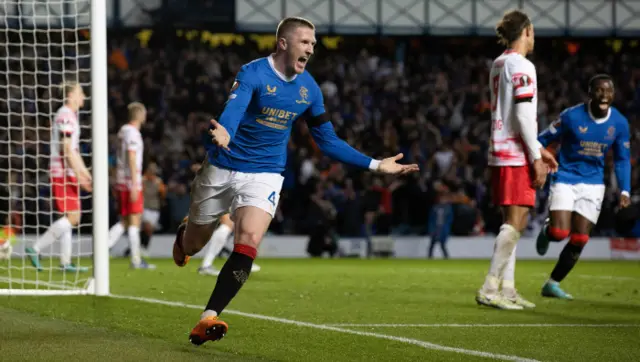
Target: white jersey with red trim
(65, 124)
(130, 139)
(512, 76)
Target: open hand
(219, 135)
(390, 166)
(549, 160)
(540, 171)
(86, 181)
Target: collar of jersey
(598, 120)
(280, 75)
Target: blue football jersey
(584, 143)
(259, 114)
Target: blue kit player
(242, 174)
(586, 133)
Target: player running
(518, 161)
(242, 174)
(68, 173)
(216, 244)
(129, 184)
(586, 132)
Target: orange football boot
(179, 256)
(208, 329)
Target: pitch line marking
(415, 342)
(453, 325)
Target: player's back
(260, 142)
(129, 139)
(585, 143)
(65, 124)
(512, 76)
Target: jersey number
(272, 198)
(495, 85)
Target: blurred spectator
(432, 106)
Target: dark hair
(598, 77)
(510, 27)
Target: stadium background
(398, 76)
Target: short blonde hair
(68, 87)
(292, 23)
(135, 110)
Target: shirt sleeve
(622, 157)
(131, 141)
(523, 77)
(66, 123)
(238, 101)
(317, 104)
(555, 130)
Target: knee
(249, 238)
(557, 234)
(579, 239)
(74, 218)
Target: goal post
(44, 44)
(100, 132)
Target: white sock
(505, 245)
(217, 242)
(65, 247)
(115, 233)
(133, 232)
(208, 313)
(53, 233)
(509, 275)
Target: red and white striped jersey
(130, 139)
(65, 124)
(512, 76)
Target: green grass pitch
(334, 310)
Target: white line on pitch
(416, 342)
(450, 325)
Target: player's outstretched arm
(331, 145)
(622, 160)
(223, 130)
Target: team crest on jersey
(627, 145)
(271, 90)
(611, 132)
(304, 94)
(583, 130)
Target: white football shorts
(217, 191)
(152, 217)
(584, 199)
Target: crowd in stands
(426, 98)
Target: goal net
(43, 45)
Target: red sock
(247, 250)
(579, 239)
(557, 234)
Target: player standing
(586, 132)
(518, 161)
(216, 244)
(242, 173)
(129, 184)
(68, 173)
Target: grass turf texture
(341, 296)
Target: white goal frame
(99, 284)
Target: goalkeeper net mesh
(42, 45)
